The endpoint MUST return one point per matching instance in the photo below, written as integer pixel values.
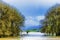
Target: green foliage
(33, 30)
(51, 23)
(10, 20)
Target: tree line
(51, 23)
(10, 21)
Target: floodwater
(37, 36)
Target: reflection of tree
(10, 20)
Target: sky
(33, 10)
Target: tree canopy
(51, 22)
(10, 20)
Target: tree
(51, 22)
(10, 20)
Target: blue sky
(33, 10)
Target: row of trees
(10, 20)
(51, 23)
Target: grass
(10, 38)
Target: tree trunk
(58, 34)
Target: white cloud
(36, 3)
(40, 18)
(30, 21)
(33, 21)
(23, 4)
(9, 1)
(33, 2)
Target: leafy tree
(51, 23)
(10, 20)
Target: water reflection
(34, 34)
(37, 36)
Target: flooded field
(37, 36)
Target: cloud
(30, 21)
(33, 2)
(24, 5)
(33, 21)
(40, 18)
(32, 6)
